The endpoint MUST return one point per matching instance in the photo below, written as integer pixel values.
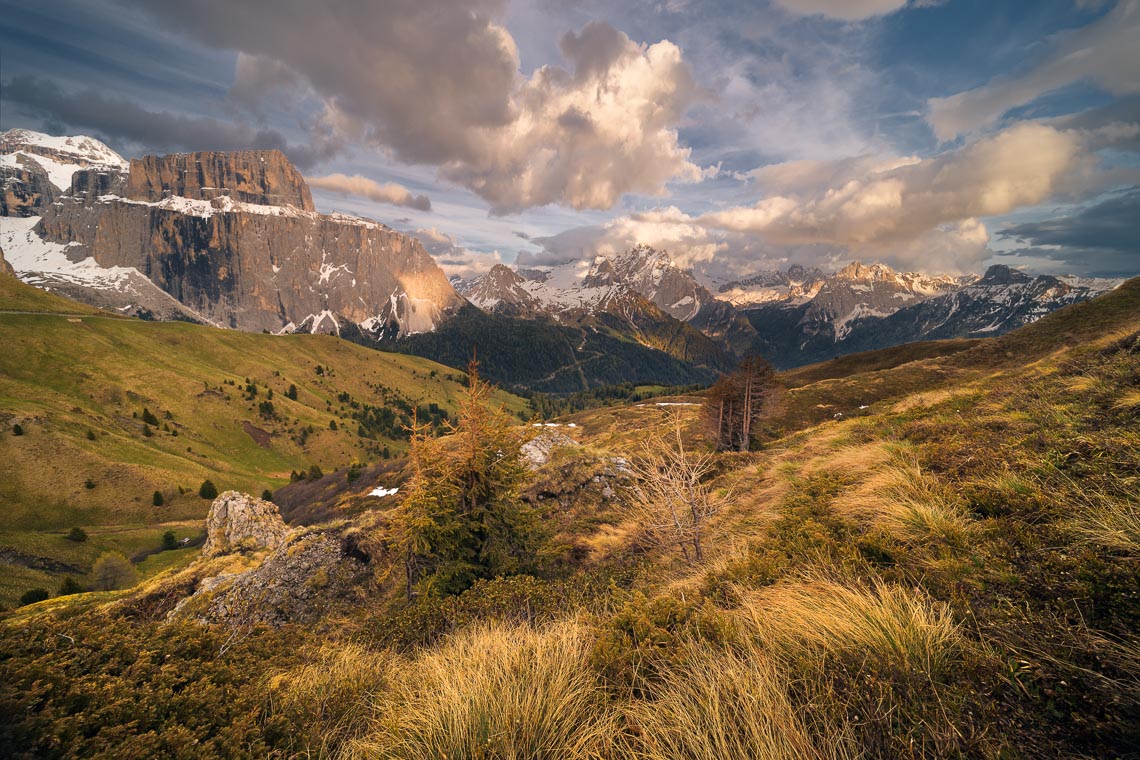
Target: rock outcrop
(25, 189)
(537, 451)
(5, 267)
(238, 521)
(263, 177)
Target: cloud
(153, 130)
(1103, 53)
(848, 205)
(437, 82)
(389, 192)
(455, 259)
(1112, 223)
(584, 138)
(923, 214)
(846, 10)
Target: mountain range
(234, 240)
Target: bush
(70, 586)
(89, 484)
(267, 495)
(292, 392)
(113, 571)
(91, 435)
(17, 429)
(77, 534)
(208, 490)
(315, 473)
(148, 417)
(157, 499)
(31, 596)
(169, 541)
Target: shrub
(169, 541)
(112, 571)
(148, 417)
(157, 500)
(267, 495)
(315, 473)
(208, 490)
(327, 699)
(70, 586)
(31, 596)
(77, 534)
(89, 484)
(292, 392)
(91, 435)
(17, 429)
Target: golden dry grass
(495, 692)
(913, 505)
(889, 624)
(724, 704)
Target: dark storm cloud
(1103, 239)
(416, 76)
(1113, 224)
(154, 130)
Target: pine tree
(463, 518)
(208, 490)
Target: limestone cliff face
(238, 521)
(260, 268)
(24, 189)
(264, 177)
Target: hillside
(949, 571)
(77, 383)
(546, 356)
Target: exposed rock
(24, 188)
(263, 177)
(5, 267)
(300, 582)
(261, 268)
(91, 183)
(238, 521)
(536, 452)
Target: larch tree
(463, 518)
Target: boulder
(238, 521)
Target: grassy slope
(61, 377)
(952, 575)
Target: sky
(939, 136)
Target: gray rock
(537, 451)
(238, 521)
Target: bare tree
(673, 496)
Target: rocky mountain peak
(857, 271)
(239, 521)
(1000, 274)
(263, 177)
